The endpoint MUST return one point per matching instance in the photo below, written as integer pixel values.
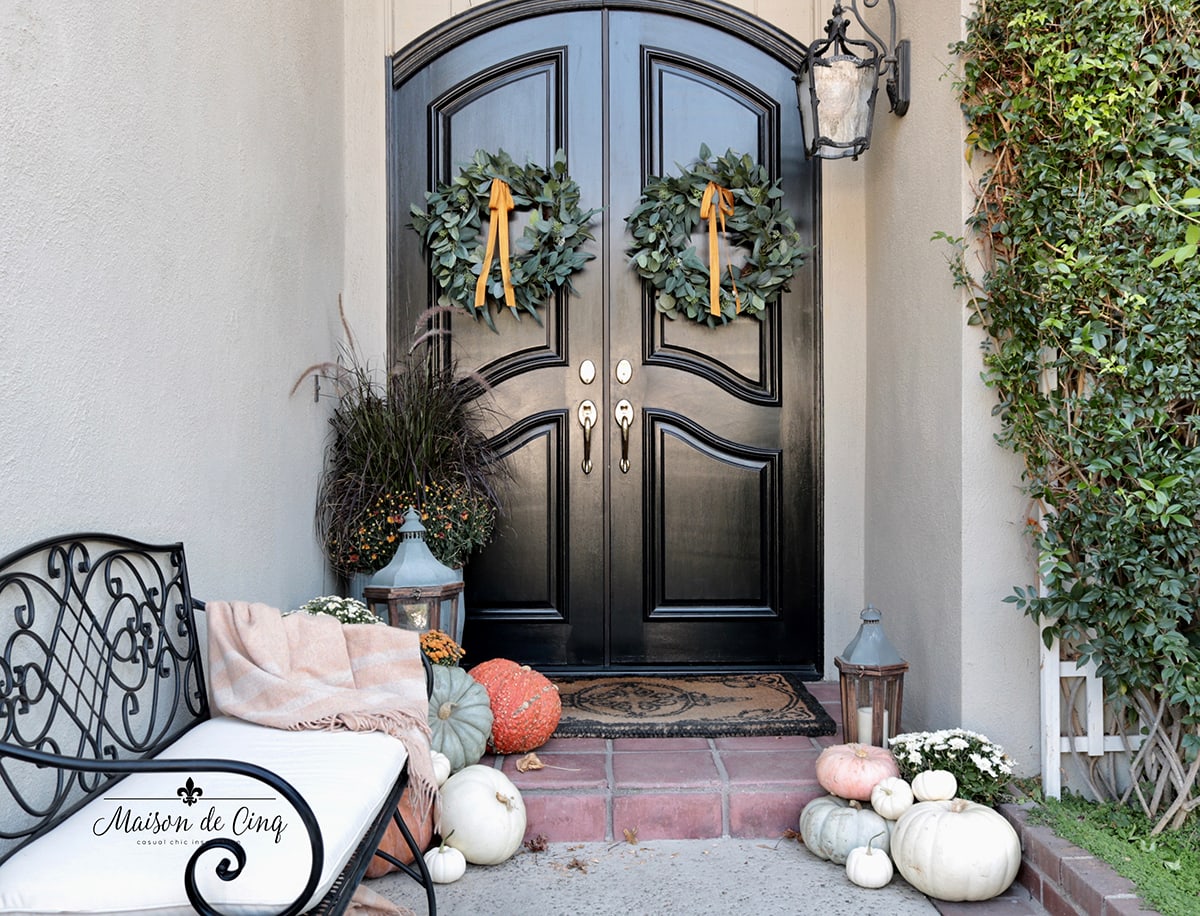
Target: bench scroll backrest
(99, 660)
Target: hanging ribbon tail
(500, 204)
(716, 205)
(737, 300)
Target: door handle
(587, 419)
(624, 415)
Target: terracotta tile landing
(594, 789)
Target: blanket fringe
(410, 731)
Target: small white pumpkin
(956, 850)
(934, 785)
(831, 827)
(869, 867)
(891, 797)
(441, 766)
(483, 815)
(445, 863)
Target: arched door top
(449, 34)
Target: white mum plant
(347, 610)
(980, 766)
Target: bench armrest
(224, 870)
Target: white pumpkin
(934, 785)
(869, 867)
(832, 826)
(441, 766)
(445, 863)
(891, 797)
(483, 815)
(956, 850)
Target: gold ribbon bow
(716, 205)
(499, 205)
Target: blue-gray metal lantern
(838, 80)
(417, 591)
(871, 673)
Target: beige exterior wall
(944, 512)
(170, 259)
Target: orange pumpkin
(393, 841)
(525, 705)
(853, 770)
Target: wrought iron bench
(109, 753)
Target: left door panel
(530, 89)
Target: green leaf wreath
(543, 260)
(668, 214)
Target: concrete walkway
(721, 877)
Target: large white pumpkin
(956, 850)
(831, 827)
(483, 815)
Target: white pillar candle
(865, 716)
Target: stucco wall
(944, 511)
(171, 238)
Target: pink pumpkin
(853, 770)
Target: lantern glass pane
(846, 88)
(445, 620)
(805, 102)
(416, 616)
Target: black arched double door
(706, 551)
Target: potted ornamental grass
(409, 437)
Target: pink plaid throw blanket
(309, 671)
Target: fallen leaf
(631, 836)
(539, 843)
(529, 762)
(578, 865)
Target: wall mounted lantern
(417, 592)
(837, 82)
(871, 673)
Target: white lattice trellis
(1094, 743)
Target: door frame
(769, 39)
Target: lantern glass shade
(415, 591)
(871, 675)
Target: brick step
(594, 789)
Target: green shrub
(1088, 221)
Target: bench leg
(418, 870)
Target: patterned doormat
(688, 706)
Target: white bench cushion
(89, 864)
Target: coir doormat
(688, 705)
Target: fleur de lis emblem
(189, 792)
